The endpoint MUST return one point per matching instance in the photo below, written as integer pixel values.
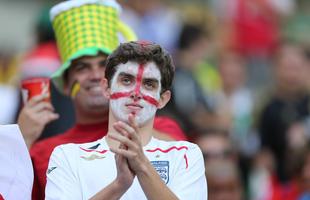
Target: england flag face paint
(135, 88)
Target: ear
(106, 90)
(164, 99)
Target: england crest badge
(162, 168)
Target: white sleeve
(190, 181)
(62, 181)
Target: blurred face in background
(223, 181)
(291, 69)
(232, 71)
(88, 72)
(142, 7)
(215, 147)
(199, 50)
(195, 53)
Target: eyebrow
(126, 74)
(144, 79)
(103, 62)
(79, 63)
(75, 64)
(151, 79)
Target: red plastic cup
(35, 86)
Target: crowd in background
(241, 88)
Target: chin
(98, 102)
(96, 108)
(141, 121)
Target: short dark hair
(190, 34)
(142, 52)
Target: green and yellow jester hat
(85, 28)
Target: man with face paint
(129, 163)
(84, 37)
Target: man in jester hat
(86, 33)
(129, 163)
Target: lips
(94, 89)
(134, 106)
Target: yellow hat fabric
(86, 27)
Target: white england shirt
(79, 171)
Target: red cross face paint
(135, 88)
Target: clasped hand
(129, 156)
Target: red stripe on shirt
(186, 161)
(1, 198)
(92, 150)
(167, 150)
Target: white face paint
(122, 100)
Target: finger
(122, 128)
(123, 140)
(52, 117)
(127, 130)
(132, 122)
(124, 132)
(36, 99)
(47, 116)
(122, 152)
(42, 106)
(122, 146)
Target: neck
(145, 132)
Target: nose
(97, 73)
(136, 95)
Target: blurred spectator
(8, 91)
(189, 105)
(281, 123)
(215, 144)
(296, 26)
(266, 187)
(8, 69)
(153, 20)
(256, 33)
(253, 28)
(234, 101)
(302, 175)
(224, 182)
(262, 184)
(212, 83)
